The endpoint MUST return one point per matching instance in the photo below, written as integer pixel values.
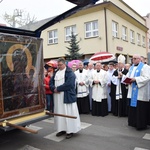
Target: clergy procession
(122, 90)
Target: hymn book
(127, 80)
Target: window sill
(67, 41)
(113, 37)
(51, 44)
(91, 37)
(124, 40)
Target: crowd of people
(117, 88)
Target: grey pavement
(98, 133)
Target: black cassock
(149, 113)
(83, 105)
(120, 106)
(149, 107)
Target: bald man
(82, 83)
(138, 93)
(98, 82)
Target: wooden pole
(61, 115)
(21, 128)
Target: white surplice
(116, 81)
(109, 75)
(61, 123)
(89, 73)
(99, 91)
(82, 91)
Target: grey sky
(42, 9)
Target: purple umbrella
(76, 62)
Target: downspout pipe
(106, 32)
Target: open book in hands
(128, 80)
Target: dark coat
(68, 87)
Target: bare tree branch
(19, 18)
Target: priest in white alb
(98, 81)
(82, 83)
(89, 73)
(138, 93)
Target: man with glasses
(138, 93)
(63, 86)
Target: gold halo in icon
(28, 54)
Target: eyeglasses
(135, 58)
(60, 65)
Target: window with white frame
(124, 33)
(138, 39)
(68, 32)
(131, 36)
(143, 41)
(91, 29)
(52, 37)
(114, 29)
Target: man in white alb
(89, 73)
(98, 81)
(138, 93)
(63, 86)
(82, 83)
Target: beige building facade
(147, 18)
(110, 26)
